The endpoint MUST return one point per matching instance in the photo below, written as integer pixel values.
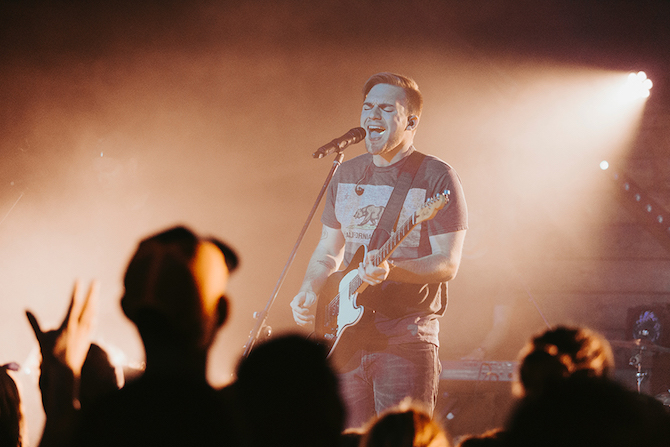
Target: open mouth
(375, 131)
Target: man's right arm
(325, 260)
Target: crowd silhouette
(567, 396)
(11, 415)
(285, 392)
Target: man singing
(392, 352)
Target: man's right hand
(301, 306)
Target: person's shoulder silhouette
(175, 288)
(288, 395)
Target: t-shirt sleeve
(454, 216)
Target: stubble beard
(387, 147)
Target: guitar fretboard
(386, 250)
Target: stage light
(637, 86)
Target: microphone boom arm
(261, 317)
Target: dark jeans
(381, 380)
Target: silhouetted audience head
(406, 425)
(288, 395)
(584, 411)
(175, 288)
(11, 417)
(561, 352)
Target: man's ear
(412, 122)
(222, 310)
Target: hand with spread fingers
(69, 344)
(64, 351)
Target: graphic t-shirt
(357, 197)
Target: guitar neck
(426, 212)
(385, 251)
(392, 243)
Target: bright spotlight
(604, 165)
(637, 86)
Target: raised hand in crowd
(64, 351)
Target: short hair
(289, 394)
(161, 296)
(561, 352)
(11, 417)
(409, 85)
(407, 423)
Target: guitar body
(337, 309)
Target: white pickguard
(350, 312)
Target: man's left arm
(440, 266)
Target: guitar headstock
(432, 206)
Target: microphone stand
(261, 317)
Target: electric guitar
(337, 309)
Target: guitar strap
(350, 344)
(391, 214)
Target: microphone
(354, 136)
